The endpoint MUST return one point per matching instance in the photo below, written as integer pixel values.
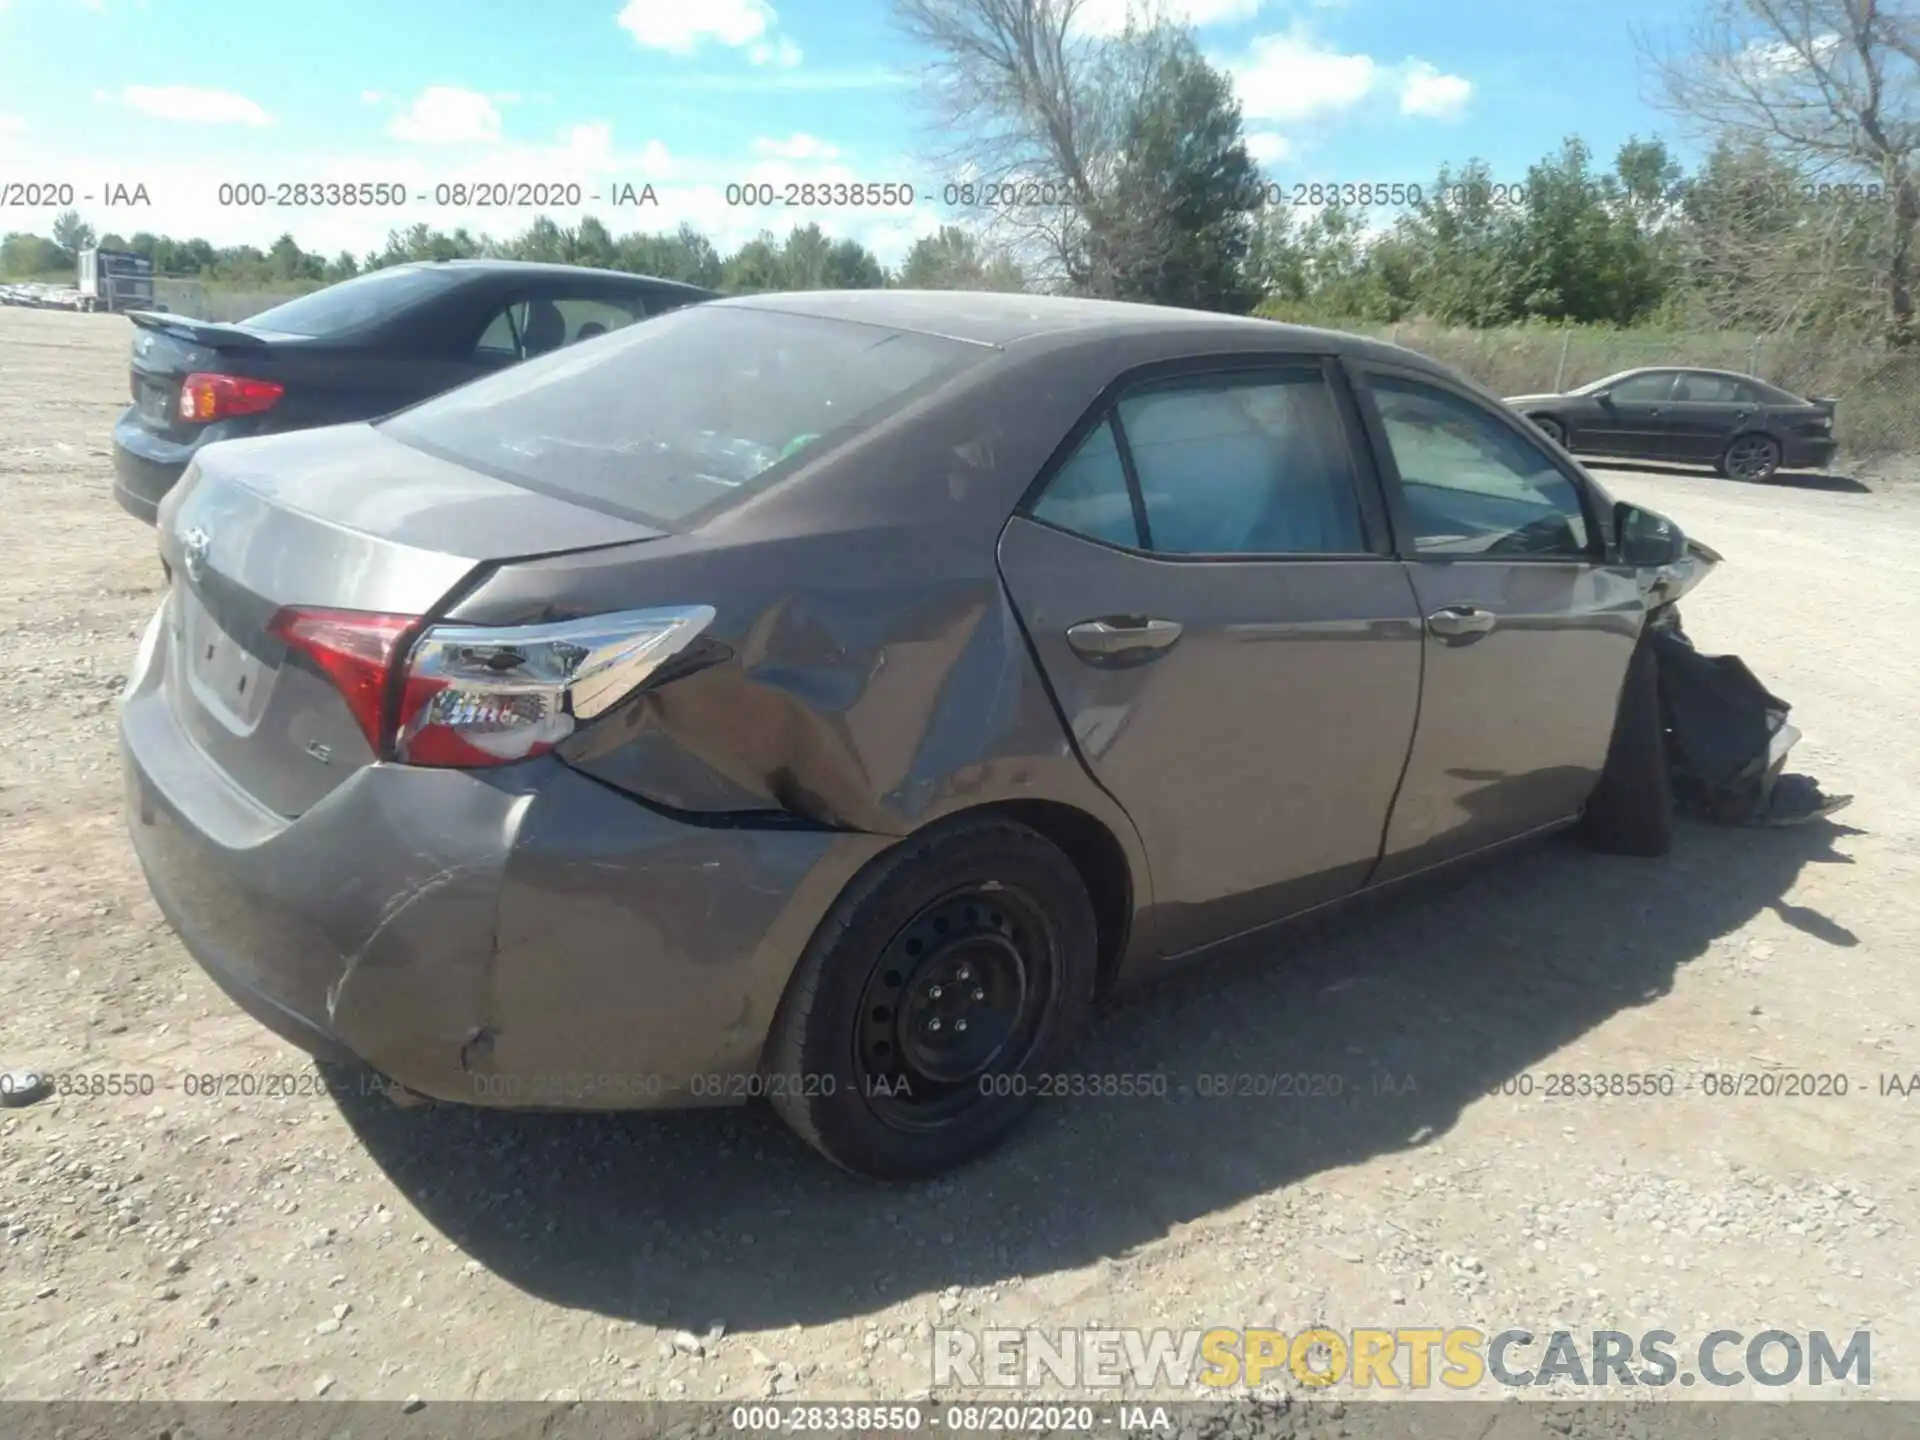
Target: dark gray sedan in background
(353, 351)
(1742, 426)
(825, 697)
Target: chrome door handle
(1461, 623)
(1122, 636)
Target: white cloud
(1109, 17)
(1293, 77)
(447, 115)
(1268, 148)
(1289, 77)
(1764, 61)
(1425, 91)
(796, 147)
(781, 52)
(373, 97)
(681, 26)
(189, 103)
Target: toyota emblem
(194, 547)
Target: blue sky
(694, 95)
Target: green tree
(1178, 224)
(592, 245)
(287, 261)
(851, 266)
(684, 255)
(955, 259)
(758, 265)
(22, 254)
(71, 233)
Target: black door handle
(1127, 637)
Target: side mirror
(1603, 397)
(1646, 538)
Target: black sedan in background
(1742, 426)
(354, 351)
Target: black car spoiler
(211, 334)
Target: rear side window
(1089, 494)
(679, 417)
(516, 330)
(354, 303)
(1714, 390)
(1244, 464)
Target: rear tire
(1631, 810)
(875, 1000)
(1750, 457)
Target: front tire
(1631, 810)
(951, 974)
(1550, 428)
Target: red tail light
(354, 649)
(474, 695)
(206, 397)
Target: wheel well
(1097, 855)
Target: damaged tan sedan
(826, 697)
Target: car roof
(1000, 318)
(1697, 370)
(550, 270)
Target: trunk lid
(337, 518)
(168, 348)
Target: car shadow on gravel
(1411, 1008)
(1789, 479)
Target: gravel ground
(168, 1246)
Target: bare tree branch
(1831, 88)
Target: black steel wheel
(1551, 428)
(956, 1000)
(955, 967)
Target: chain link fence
(1878, 415)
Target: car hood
(1531, 399)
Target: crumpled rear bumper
(524, 937)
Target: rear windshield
(685, 414)
(352, 303)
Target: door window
(1474, 486)
(1244, 465)
(1644, 389)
